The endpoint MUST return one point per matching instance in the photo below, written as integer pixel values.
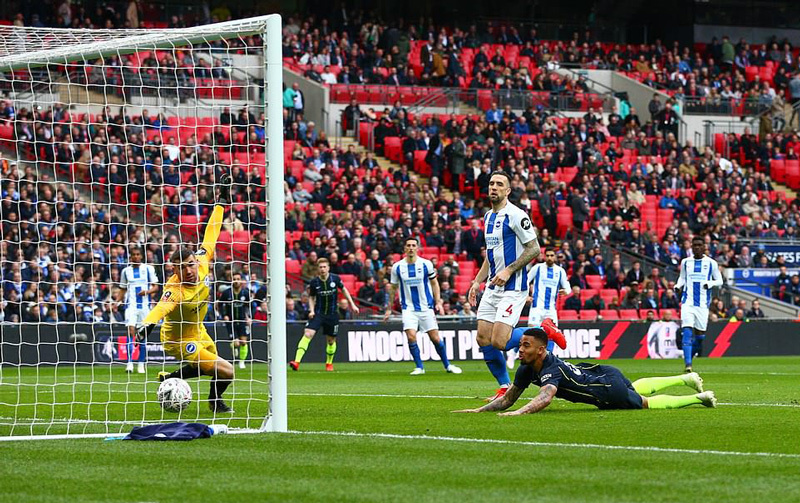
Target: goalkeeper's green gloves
(142, 331)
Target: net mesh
(113, 140)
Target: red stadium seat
(628, 314)
(609, 314)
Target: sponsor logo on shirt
(526, 223)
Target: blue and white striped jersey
(414, 280)
(546, 283)
(138, 278)
(697, 279)
(505, 232)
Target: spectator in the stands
(631, 299)
(669, 300)
(782, 283)
(435, 238)
(368, 290)
(738, 316)
(573, 302)
(309, 269)
(595, 302)
(473, 240)
(635, 275)
(755, 310)
(649, 300)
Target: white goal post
(113, 142)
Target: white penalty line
(465, 397)
(569, 445)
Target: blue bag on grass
(171, 431)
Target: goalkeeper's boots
(129, 367)
(553, 333)
(497, 394)
(329, 367)
(219, 406)
(708, 398)
(162, 376)
(295, 365)
(224, 189)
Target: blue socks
(516, 335)
(440, 349)
(142, 350)
(550, 346)
(497, 364)
(412, 346)
(688, 338)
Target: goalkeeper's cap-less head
(181, 255)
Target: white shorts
(421, 321)
(134, 316)
(501, 306)
(537, 316)
(694, 317)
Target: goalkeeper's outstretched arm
(214, 225)
(169, 301)
(213, 228)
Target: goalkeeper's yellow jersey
(183, 307)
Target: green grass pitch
(403, 444)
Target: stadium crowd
(61, 255)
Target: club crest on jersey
(333, 284)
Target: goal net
(112, 145)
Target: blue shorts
(328, 324)
(620, 394)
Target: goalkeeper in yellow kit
(183, 308)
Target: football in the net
(174, 395)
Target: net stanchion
(116, 147)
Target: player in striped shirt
(698, 276)
(548, 279)
(511, 245)
(137, 283)
(415, 277)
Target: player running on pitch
(323, 313)
(548, 279)
(698, 276)
(603, 386)
(419, 296)
(183, 307)
(137, 283)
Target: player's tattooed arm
(502, 403)
(542, 400)
(530, 251)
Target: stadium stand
(605, 177)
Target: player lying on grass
(183, 307)
(603, 386)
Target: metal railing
(724, 106)
(450, 98)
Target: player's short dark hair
(503, 174)
(136, 249)
(411, 238)
(699, 238)
(537, 333)
(181, 254)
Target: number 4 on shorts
(508, 311)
